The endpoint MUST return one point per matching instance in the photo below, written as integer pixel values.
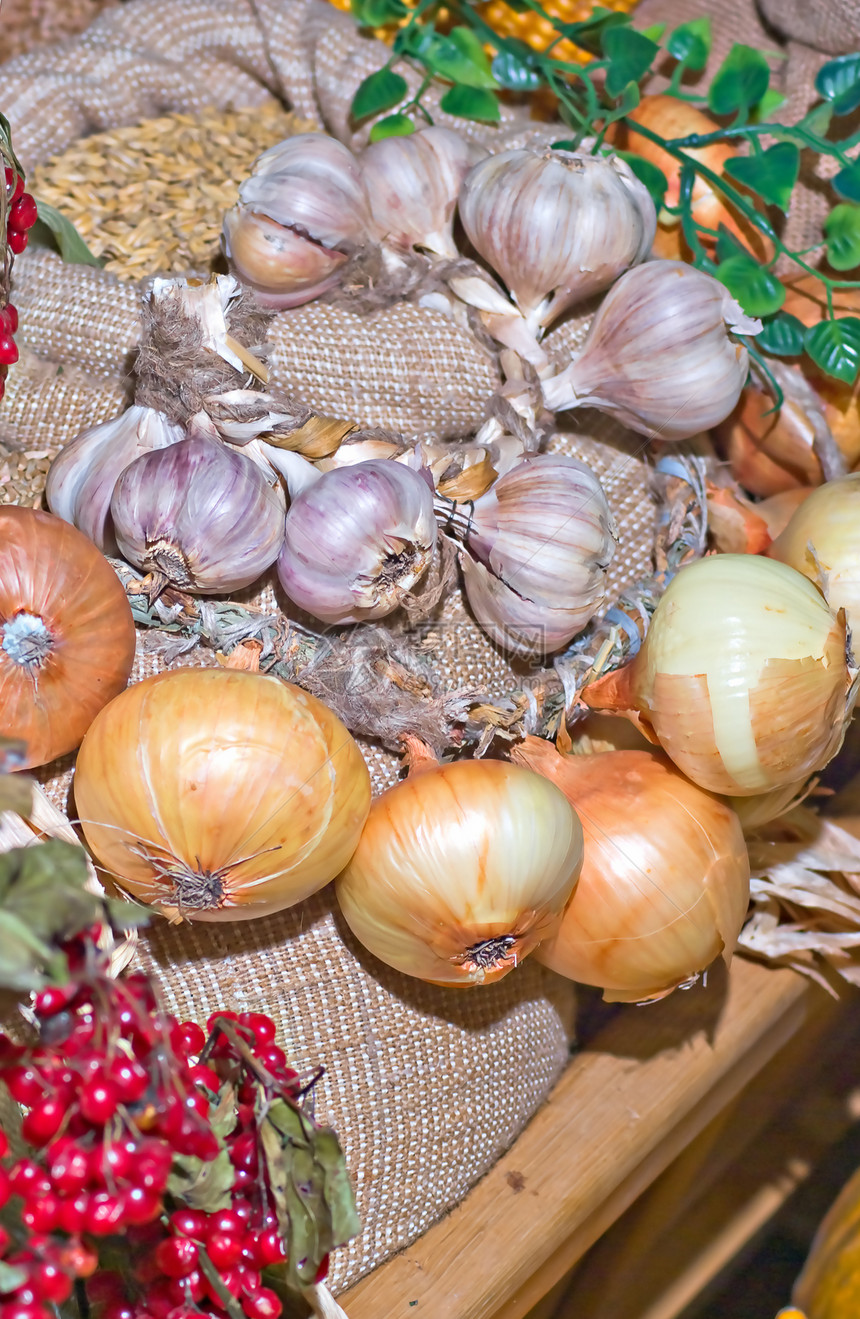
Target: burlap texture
(426, 1087)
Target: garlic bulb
(199, 515)
(658, 355)
(665, 879)
(412, 186)
(461, 870)
(357, 539)
(300, 216)
(82, 477)
(557, 226)
(545, 533)
(822, 541)
(742, 676)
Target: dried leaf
(16, 793)
(200, 1185)
(319, 437)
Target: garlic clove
(412, 185)
(82, 477)
(557, 226)
(525, 628)
(659, 356)
(199, 515)
(284, 268)
(357, 540)
(546, 530)
(301, 215)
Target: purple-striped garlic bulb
(199, 516)
(357, 540)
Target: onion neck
(27, 641)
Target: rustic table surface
(637, 1095)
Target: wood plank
(624, 1109)
(726, 1185)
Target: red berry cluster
(21, 215)
(114, 1092)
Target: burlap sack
(425, 1087)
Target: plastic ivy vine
(452, 42)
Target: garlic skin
(658, 355)
(300, 216)
(557, 226)
(539, 541)
(199, 516)
(412, 185)
(82, 477)
(526, 629)
(357, 540)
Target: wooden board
(628, 1104)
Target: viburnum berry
(16, 241)
(28, 1179)
(23, 213)
(44, 1120)
(72, 1213)
(50, 1282)
(263, 1027)
(177, 1256)
(130, 1080)
(189, 1037)
(261, 1304)
(224, 1249)
(189, 1223)
(269, 1247)
(16, 1310)
(42, 1214)
(141, 1205)
(8, 318)
(98, 1101)
(69, 1167)
(191, 1288)
(24, 1084)
(201, 1074)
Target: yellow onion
(742, 677)
(217, 794)
(769, 452)
(462, 869)
(664, 886)
(822, 540)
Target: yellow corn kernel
(535, 30)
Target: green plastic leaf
(655, 31)
(756, 289)
(630, 98)
(690, 43)
(770, 102)
(65, 236)
(460, 58)
(818, 120)
(835, 347)
(728, 245)
(741, 81)
(416, 41)
(471, 103)
(842, 231)
(394, 125)
(847, 183)
(514, 71)
(631, 55)
(375, 13)
(590, 33)
(381, 91)
(781, 335)
(838, 81)
(653, 177)
(771, 175)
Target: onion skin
(462, 869)
(822, 541)
(664, 886)
(246, 788)
(742, 677)
(769, 452)
(671, 117)
(52, 572)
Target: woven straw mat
(425, 1087)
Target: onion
(822, 541)
(220, 794)
(742, 676)
(664, 886)
(66, 633)
(461, 870)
